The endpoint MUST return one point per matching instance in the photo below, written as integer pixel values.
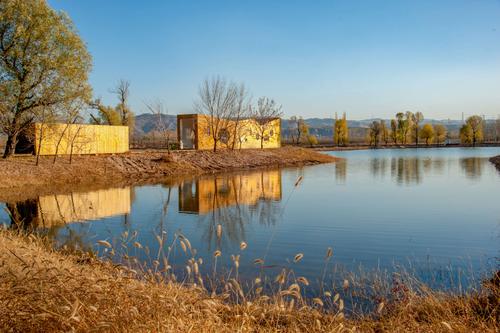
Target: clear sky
(367, 58)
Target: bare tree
(217, 99)
(122, 92)
(163, 124)
(264, 114)
(241, 111)
(298, 126)
(292, 125)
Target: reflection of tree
(24, 214)
(28, 215)
(378, 167)
(233, 201)
(406, 170)
(341, 171)
(472, 166)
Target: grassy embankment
(21, 176)
(46, 290)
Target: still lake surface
(430, 210)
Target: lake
(433, 211)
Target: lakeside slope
(496, 161)
(21, 178)
(46, 290)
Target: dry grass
(46, 290)
(23, 178)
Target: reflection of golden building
(194, 132)
(51, 210)
(206, 194)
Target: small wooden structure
(194, 132)
(78, 139)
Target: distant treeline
(321, 130)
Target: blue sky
(365, 58)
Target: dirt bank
(496, 161)
(50, 291)
(21, 178)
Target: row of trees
(226, 104)
(379, 133)
(406, 128)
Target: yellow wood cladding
(82, 138)
(206, 194)
(81, 207)
(247, 133)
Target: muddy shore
(496, 161)
(21, 178)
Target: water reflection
(378, 167)
(472, 167)
(366, 221)
(49, 211)
(207, 194)
(341, 171)
(232, 201)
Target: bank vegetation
(48, 290)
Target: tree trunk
(10, 146)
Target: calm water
(433, 208)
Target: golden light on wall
(194, 132)
(79, 139)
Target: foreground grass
(46, 290)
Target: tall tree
(302, 130)
(384, 132)
(43, 64)
(400, 118)
(164, 125)
(340, 131)
(472, 131)
(292, 128)
(122, 92)
(394, 131)
(216, 100)
(427, 133)
(407, 126)
(416, 118)
(440, 133)
(375, 131)
(242, 110)
(265, 113)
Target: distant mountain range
(145, 123)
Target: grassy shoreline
(393, 146)
(21, 178)
(47, 290)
